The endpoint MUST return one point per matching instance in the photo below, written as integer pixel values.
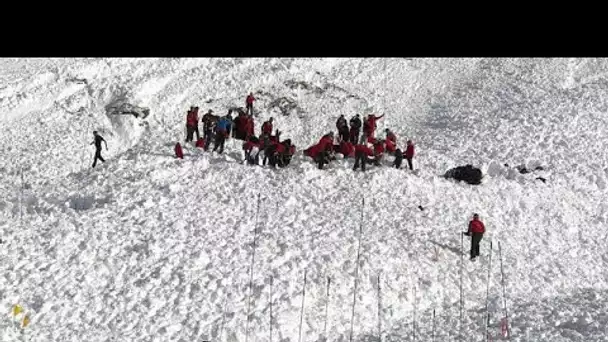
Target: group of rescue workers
(278, 153)
(352, 144)
(357, 141)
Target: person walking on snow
(475, 231)
(249, 103)
(97, 142)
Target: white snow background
(146, 247)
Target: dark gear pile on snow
(467, 173)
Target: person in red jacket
(475, 231)
(347, 149)
(252, 151)
(362, 151)
(409, 153)
(267, 127)
(370, 125)
(391, 141)
(248, 127)
(378, 151)
(192, 124)
(322, 151)
(249, 103)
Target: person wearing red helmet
(475, 231)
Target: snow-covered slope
(149, 248)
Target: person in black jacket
(342, 127)
(398, 159)
(97, 142)
(355, 128)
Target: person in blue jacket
(224, 124)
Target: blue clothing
(223, 124)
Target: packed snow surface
(146, 247)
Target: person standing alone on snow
(97, 142)
(475, 231)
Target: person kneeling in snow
(378, 152)
(252, 150)
(286, 151)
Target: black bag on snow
(467, 173)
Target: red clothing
(372, 121)
(363, 148)
(390, 145)
(476, 226)
(179, 153)
(192, 118)
(250, 99)
(200, 143)
(249, 126)
(280, 148)
(267, 128)
(392, 137)
(409, 151)
(379, 148)
(347, 149)
(274, 139)
(325, 143)
(248, 146)
(238, 123)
